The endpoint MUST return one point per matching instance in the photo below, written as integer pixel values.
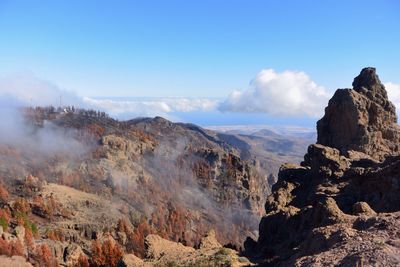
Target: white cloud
(289, 93)
(151, 107)
(27, 89)
(393, 91)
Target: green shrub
(33, 227)
(3, 223)
(22, 216)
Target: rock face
(361, 119)
(341, 205)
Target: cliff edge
(341, 205)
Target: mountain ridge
(172, 179)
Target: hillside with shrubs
(79, 188)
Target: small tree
(3, 194)
(44, 256)
(82, 261)
(29, 237)
(107, 254)
(97, 253)
(5, 248)
(5, 217)
(16, 248)
(11, 248)
(21, 205)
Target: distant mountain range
(267, 130)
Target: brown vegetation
(44, 257)
(82, 261)
(105, 254)
(3, 194)
(11, 248)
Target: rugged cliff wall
(341, 205)
(80, 176)
(361, 119)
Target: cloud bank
(25, 89)
(287, 94)
(29, 90)
(393, 91)
(151, 107)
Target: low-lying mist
(170, 166)
(46, 139)
(17, 93)
(160, 183)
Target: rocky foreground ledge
(341, 205)
(162, 252)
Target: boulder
(72, 253)
(362, 208)
(210, 241)
(130, 260)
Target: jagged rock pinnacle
(361, 119)
(367, 79)
(343, 182)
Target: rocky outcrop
(119, 148)
(130, 260)
(361, 119)
(71, 255)
(14, 261)
(363, 208)
(162, 252)
(158, 247)
(327, 211)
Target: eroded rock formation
(341, 205)
(361, 119)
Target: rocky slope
(161, 252)
(83, 185)
(341, 206)
(268, 150)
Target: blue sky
(196, 48)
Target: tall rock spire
(361, 119)
(316, 210)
